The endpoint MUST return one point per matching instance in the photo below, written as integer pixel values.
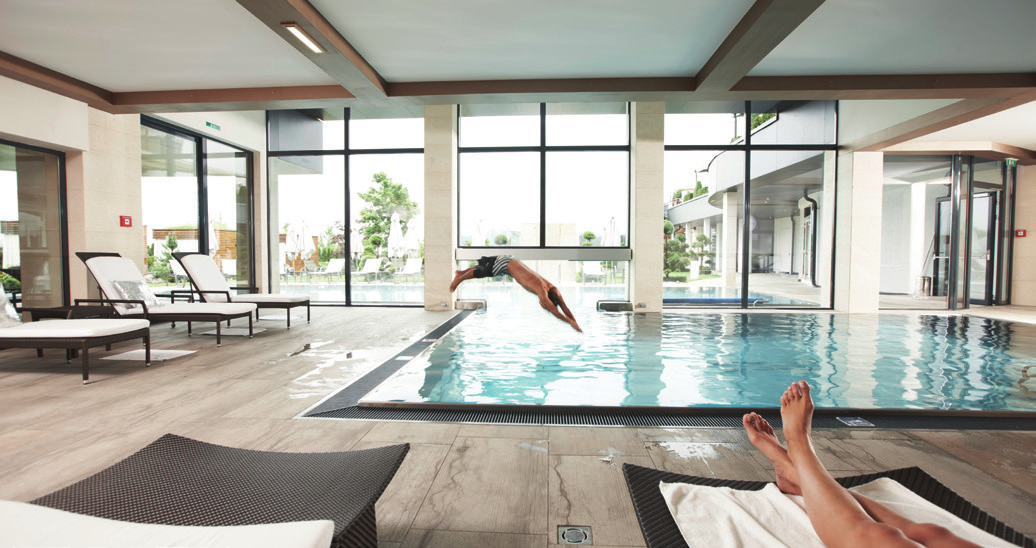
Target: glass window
(307, 214)
(791, 222)
(587, 124)
(704, 123)
(306, 129)
(801, 122)
(169, 201)
(30, 224)
(587, 198)
(499, 199)
(702, 228)
(375, 128)
(915, 232)
(499, 125)
(229, 212)
(387, 228)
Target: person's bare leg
(760, 433)
(928, 534)
(835, 515)
(461, 275)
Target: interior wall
(896, 245)
(33, 116)
(1023, 274)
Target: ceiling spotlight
(306, 39)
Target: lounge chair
(123, 287)
(660, 528)
(592, 269)
(181, 481)
(209, 282)
(333, 268)
(411, 268)
(179, 275)
(79, 333)
(370, 266)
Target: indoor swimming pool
(515, 353)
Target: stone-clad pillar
(440, 204)
(646, 205)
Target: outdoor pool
(515, 353)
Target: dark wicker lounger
(660, 530)
(180, 481)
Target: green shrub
(9, 282)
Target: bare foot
(760, 433)
(797, 415)
(458, 277)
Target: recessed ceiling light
(306, 39)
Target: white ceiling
(183, 46)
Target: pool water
(519, 354)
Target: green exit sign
(211, 125)
(1011, 162)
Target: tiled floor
(461, 484)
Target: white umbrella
(355, 241)
(395, 238)
(611, 238)
(479, 238)
(412, 240)
(299, 243)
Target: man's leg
(460, 276)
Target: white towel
(721, 516)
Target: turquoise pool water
(518, 354)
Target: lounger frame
(81, 344)
(284, 305)
(660, 529)
(188, 317)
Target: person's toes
(804, 388)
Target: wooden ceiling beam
(24, 71)
(341, 61)
(766, 24)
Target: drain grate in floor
(579, 535)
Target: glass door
(983, 248)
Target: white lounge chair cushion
(203, 308)
(108, 270)
(206, 275)
(73, 329)
(269, 298)
(28, 525)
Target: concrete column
(103, 184)
(261, 227)
(440, 204)
(1023, 275)
(858, 260)
(728, 251)
(646, 203)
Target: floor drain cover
(575, 534)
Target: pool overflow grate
(344, 405)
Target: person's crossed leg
(840, 517)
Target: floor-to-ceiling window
(549, 183)
(347, 199)
(196, 196)
(942, 236)
(32, 225)
(749, 190)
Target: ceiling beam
(341, 61)
(878, 86)
(984, 149)
(949, 116)
(24, 71)
(273, 98)
(766, 24)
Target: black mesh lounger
(660, 530)
(181, 481)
